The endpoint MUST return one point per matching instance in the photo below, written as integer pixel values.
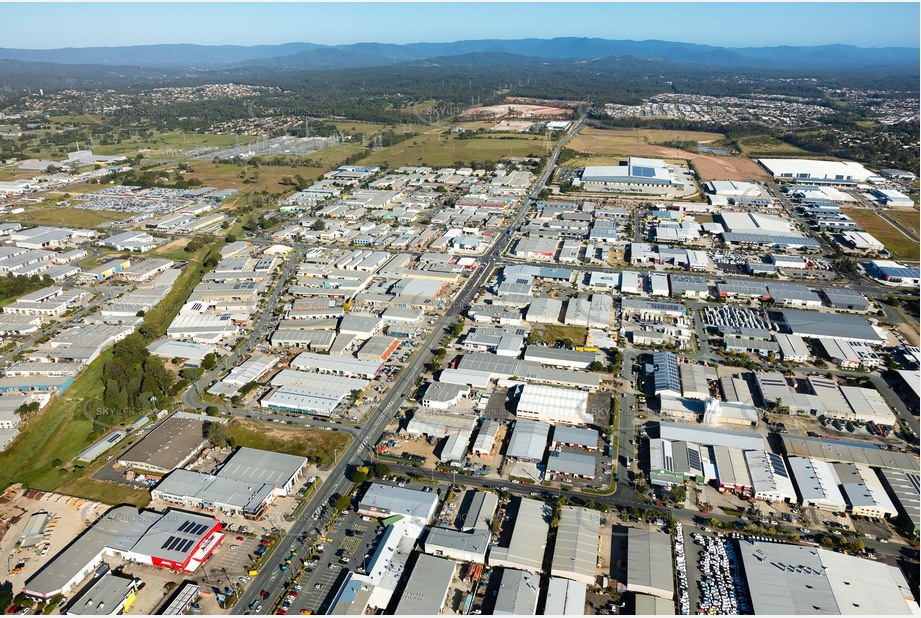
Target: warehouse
(318, 382)
(849, 354)
(702, 434)
(362, 326)
(674, 463)
(553, 405)
(577, 539)
(480, 508)
(193, 353)
(568, 463)
(688, 286)
(352, 596)
(517, 594)
(109, 595)
(134, 535)
(197, 490)
(463, 546)
(793, 295)
(694, 383)
(314, 340)
(349, 367)
(817, 483)
(378, 348)
(544, 311)
(904, 489)
(145, 269)
(382, 501)
(646, 310)
(528, 541)
(844, 299)
(828, 326)
(863, 491)
(665, 374)
(793, 348)
(304, 400)
(812, 169)
(638, 171)
(770, 477)
(205, 328)
(485, 440)
(649, 563)
(250, 370)
(559, 357)
(736, 390)
(454, 449)
(861, 241)
(427, 588)
(565, 597)
(576, 437)
(172, 444)
(732, 469)
(436, 425)
(529, 441)
(894, 273)
(849, 452)
(795, 579)
(442, 396)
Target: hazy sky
(734, 24)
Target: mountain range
(310, 56)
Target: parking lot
(350, 538)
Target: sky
(729, 24)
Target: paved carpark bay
(354, 547)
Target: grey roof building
(518, 592)
(528, 541)
(427, 588)
(843, 298)
(571, 462)
(576, 551)
(469, 546)
(904, 489)
(529, 440)
(257, 466)
(385, 500)
(565, 597)
(828, 325)
(106, 596)
(649, 563)
(567, 435)
(480, 511)
(665, 375)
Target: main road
(337, 484)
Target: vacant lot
(437, 150)
(551, 333)
(908, 217)
(315, 444)
(610, 146)
(900, 246)
(58, 215)
(107, 493)
(767, 146)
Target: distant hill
(310, 56)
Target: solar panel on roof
(184, 545)
(694, 459)
(167, 542)
(185, 526)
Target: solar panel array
(175, 543)
(192, 528)
(643, 172)
(777, 465)
(694, 459)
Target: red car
(240, 538)
(263, 593)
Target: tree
(359, 474)
(211, 411)
(319, 226)
(217, 434)
(342, 503)
(381, 470)
(230, 238)
(678, 494)
(209, 361)
(596, 366)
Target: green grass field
(315, 444)
(107, 493)
(908, 218)
(436, 150)
(58, 215)
(765, 145)
(551, 333)
(60, 431)
(900, 246)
